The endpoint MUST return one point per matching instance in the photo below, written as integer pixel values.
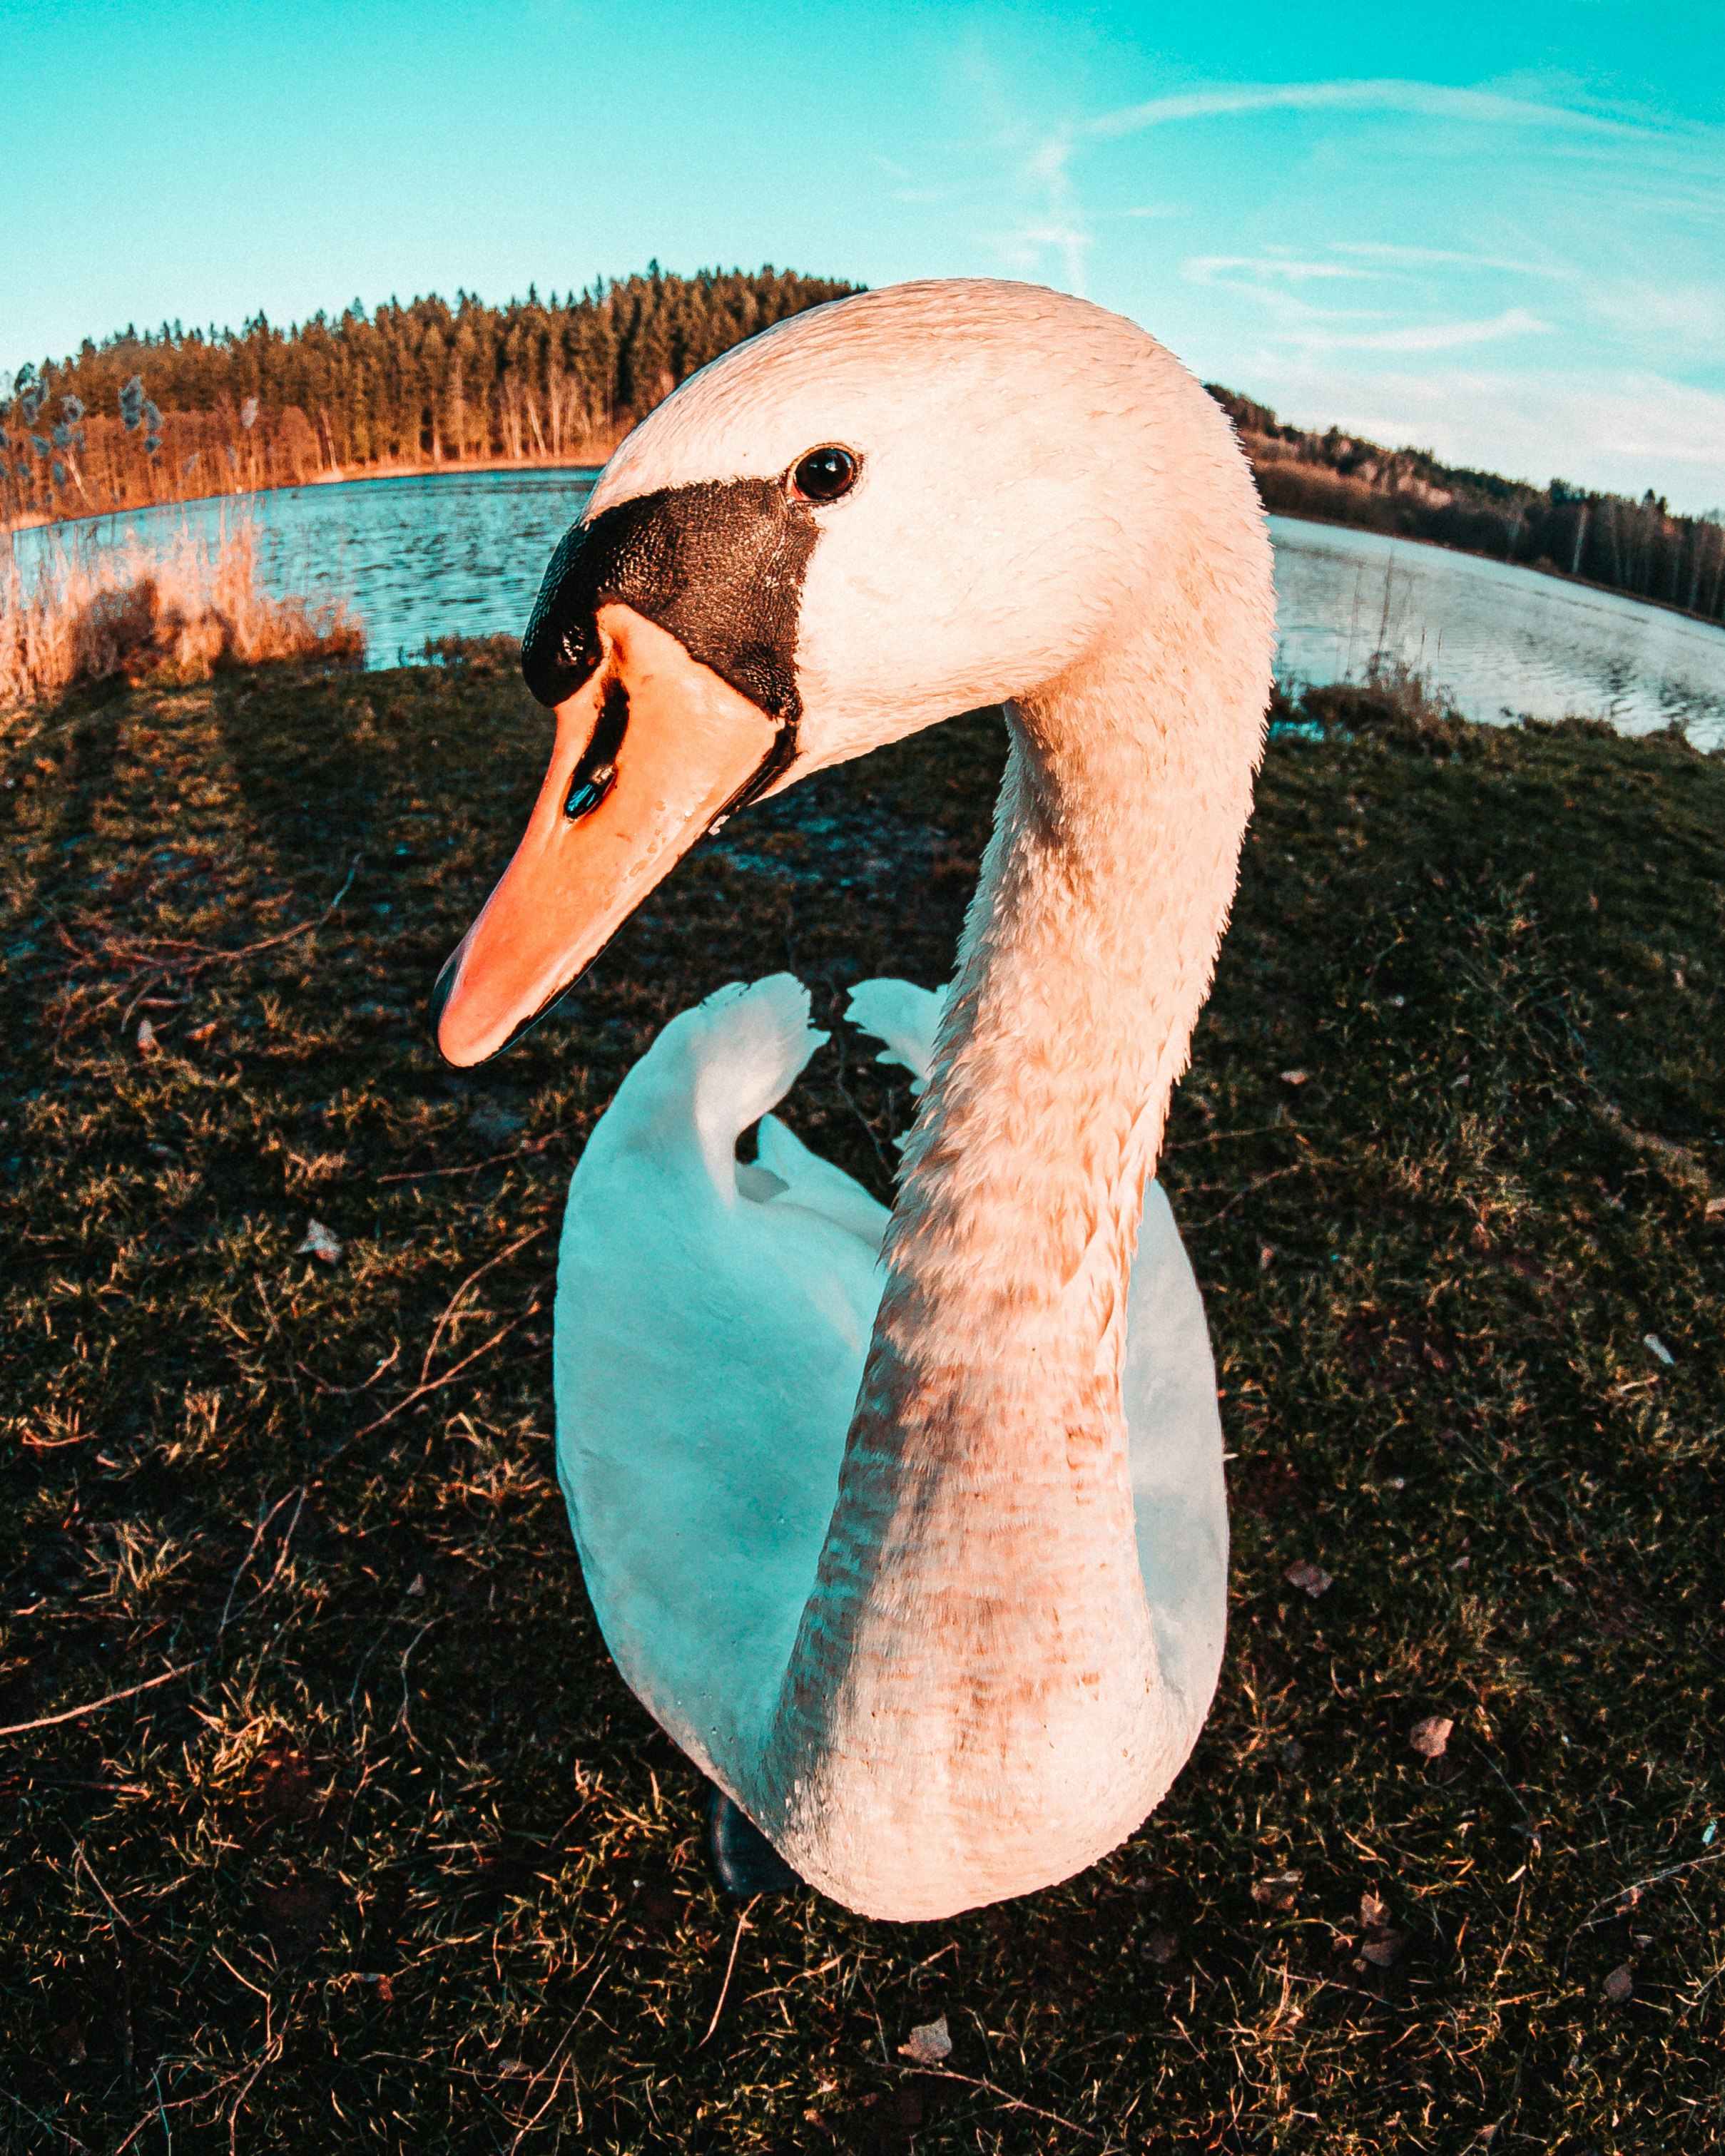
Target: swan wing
(810, 1181)
(1174, 1449)
(905, 1018)
(712, 1322)
(709, 1349)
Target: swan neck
(976, 1673)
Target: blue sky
(1495, 230)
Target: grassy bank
(174, 612)
(378, 1851)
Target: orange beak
(649, 750)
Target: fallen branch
(159, 965)
(108, 1699)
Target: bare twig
(257, 1536)
(730, 1969)
(120, 1916)
(351, 1392)
(107, 1699)
(420, 1392)
(164, 968)
(1634, 1886)
(429, 1385)
(473, 1167)
(528, 2125)
(407, 1653)
(479, 1273)
(1011, 2102)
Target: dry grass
(385, 1855)
(173, 613)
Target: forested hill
(173, 413)
(1611, 539)
(176, 413)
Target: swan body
(713, 1319)
(909, 1529)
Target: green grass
(397, 1861)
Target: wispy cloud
(1689, 313)
(1426, 337)
(1428, 99)
(1232, 268)
(1415, 227)
(1274, 283)
(1444, 258)
(1626, 425)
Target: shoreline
(1496, 561)
(368, 473)
(337, 478)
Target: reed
(171, 612)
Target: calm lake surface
(461, 554)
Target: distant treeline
(1636, 546)
(174, 413)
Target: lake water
(461, 554)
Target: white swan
(922, 1560)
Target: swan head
(889, 509)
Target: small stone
(927, 2045)
(1279, 1893)
(1656, 1347)
(1620, 1986)
(1379, 1944)
(148, 1042)
(1430, 1738)
(320, 1243)
(1294, 1077)
(1311, 1578)
(68, 2046)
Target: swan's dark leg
(742, 1860)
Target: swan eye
(826, 473)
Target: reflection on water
(461, 554)
(1504, 641)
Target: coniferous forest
(173, 414)
(1631, 546)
